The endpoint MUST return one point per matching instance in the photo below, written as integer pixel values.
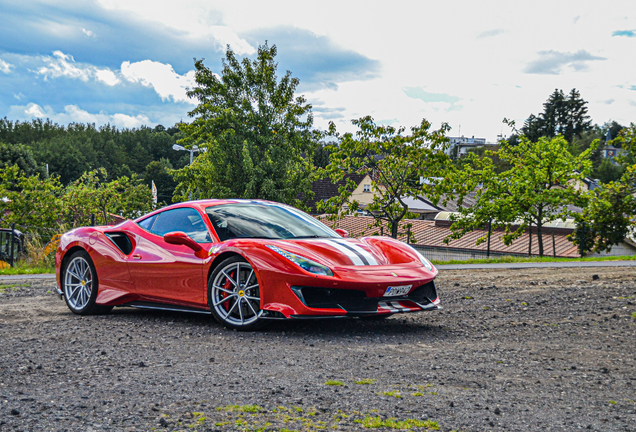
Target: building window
(366, 188)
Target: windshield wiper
(305, 237)
(259, 237)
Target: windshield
(259, 220)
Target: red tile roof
(427, 233)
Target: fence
(448, 254)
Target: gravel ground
(523, 350)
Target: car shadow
(399, 324)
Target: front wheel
(234, 295)
(80, 285)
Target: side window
(184, 219)
(147, 223)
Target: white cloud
(63, 65)
(88, 32)
(73, 113)
(106, 76)
(161, 77)
(5, 67)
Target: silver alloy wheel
(235, 294)
(78, 283)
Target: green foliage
(159, 172)
(334, 383)
(395, 163)
(607, 172)
(257, 134)
(41, 206)
(71, 150)
(92, 194)
(541, 182)
(32, 203)
(564, 115)
(609, 216)
(17, 154)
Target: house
(324, 189)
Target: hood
(349, 252)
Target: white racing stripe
(370, 259)
(355, 259)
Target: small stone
(211, 359)
(38, 367)
(452, 404)
(142, 364)
(595, 277)
(163, 422)
(497, 411)
(15, 412)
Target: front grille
(349, 300)
(424, 294)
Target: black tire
(80, 285)
(226, 291)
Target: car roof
(205, 203)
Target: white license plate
(397, 290)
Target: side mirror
(341, 232)
(181, 238)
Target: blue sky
(467, 63)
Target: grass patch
(24, 268)
(393, 423)
(613, 402)
(511, 259)
(633, 314)
(334, 383)
(365, 382)
(12, 287)
(241, 408)
(396, 394)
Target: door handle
(136, 256)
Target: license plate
(397, 290)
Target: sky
(467, 63)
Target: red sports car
(242, 261)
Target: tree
(543, 179)
(32, 203)
(256, 131)
(564, 115)
(159, 172)
(92, 194)
(17, 154)
(395, 163)
(609, 216)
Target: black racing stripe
(362, 258)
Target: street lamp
(194, 149)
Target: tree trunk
(539, 231)
(530, 240)
(394, 228)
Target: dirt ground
(514, 350)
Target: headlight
(302, 262)
(425, 262)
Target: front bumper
(348, 293)
(353, 303)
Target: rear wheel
(80, 285)
(234, 295)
